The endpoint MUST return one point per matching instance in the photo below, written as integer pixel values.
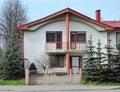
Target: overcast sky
(110, 9)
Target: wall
(34, 41)
(112, 36)
(102, 35)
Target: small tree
(88, 64)
(115, 64)
(33, 67)
(100, 59)
(43, 61)
(109, 48)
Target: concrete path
(59, 88)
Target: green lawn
(12, 82)
(103, 84)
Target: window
(117, 37)
(60, 61)
(50, 37)
(57, 61)
(81, 37)
(78, 36)
(53, 36)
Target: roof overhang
(64, 11)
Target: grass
(103, 84)
(12, 82)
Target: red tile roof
(115, 24)
(66, 10)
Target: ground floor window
(57, 60)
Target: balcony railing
(61, 46)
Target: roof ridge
(66, 10)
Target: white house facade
(63, 36)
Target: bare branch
(12, 14)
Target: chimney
(98, 16)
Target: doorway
(75, 63)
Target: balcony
(55, 47)
(77, 47)
(61, 47)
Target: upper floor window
(78, 36)
(117, 37)
(54, 36)
(50, 37)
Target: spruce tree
(107, 72)
(88, 64)
(109, 48)
(115, 64)
(11, 65)
(100, 58)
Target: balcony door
(77, 38)
(58, 40)
(73, 40)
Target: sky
(36, 9)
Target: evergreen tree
(88, 64)
(110, 72)
(109, 48)
(115, 64)
(11, 65)
(100, 58)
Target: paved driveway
(59, 88)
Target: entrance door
(59, 40)
(75, 64)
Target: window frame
(48, 32)
(117, 33)
(76, 36)
(56, 61)
(55, 36)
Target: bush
(33, 67)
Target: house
(63, 36)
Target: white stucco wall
(112, 36)
(34, 41)
(78, 26)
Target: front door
(75, 64)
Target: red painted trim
(66, 10)
(23, 47)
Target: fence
(49, 76)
